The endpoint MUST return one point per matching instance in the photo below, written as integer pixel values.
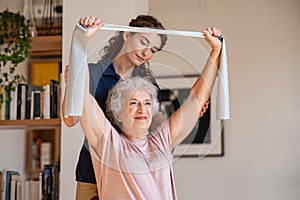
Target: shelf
(46, 46)
(29, 123)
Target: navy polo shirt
(102, 78)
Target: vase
(28, 14)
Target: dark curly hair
(115, 43)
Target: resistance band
(114, 27)
(78, 66)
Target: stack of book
(31, 101)
(46, 187)
(41, 154)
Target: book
(6, 178)
(36, 190)
(46, 154)
(26, 190)
(19, 190)
(21, 100)
(55, 180)
(30, 89)
(22, 190)
(54, 95)
(3, 188)
(36, 105)
(3, 105)
(13, 105)
(33, 153)
(30, 190)
(41, 185)
(46, 101)
(48, 183)
(36, 153)
(3, 110)
(7, 110)
(15, 178)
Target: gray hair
(115, 99)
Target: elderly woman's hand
(212, 37)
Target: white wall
(262, 138)
(113, 11)
(13, 150)
(12, 5)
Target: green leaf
(14, 46)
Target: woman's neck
(133, 137)
(123, 67)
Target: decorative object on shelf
(52, 18)
(14, 46)
(29, 15)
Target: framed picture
(206, 138)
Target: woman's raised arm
(184, 119)
(93, 119)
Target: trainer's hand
(66, 74)
(204, 108)
(93, 23)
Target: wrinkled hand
(93, 23)
(212, 37)
(204, 108)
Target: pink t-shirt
(140, 169)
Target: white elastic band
(114, 27)
(78, 65)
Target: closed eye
(148, 103)
(133, 103)
(154, 50)
(145, 42)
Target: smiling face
(136, 115)
(140, 47)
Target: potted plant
(14, 46)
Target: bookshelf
(48, 130)
(46, 47)
(38, 124)
(44, 64)
(45, 50)
(28, 123)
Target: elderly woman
(124, 55)
(137, 163)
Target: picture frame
(207, 137)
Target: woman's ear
(126, 35)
